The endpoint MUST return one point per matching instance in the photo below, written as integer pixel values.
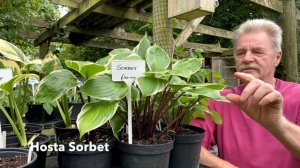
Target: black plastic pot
(60, 128)
(186, 150)
(13, 141)
(12, 152)
(37, 114)
(29, 127)
(85, 158)
(145, 156)
(3, 117)
(75, 110)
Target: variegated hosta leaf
(186, 67)
(157, 59)
(10, 64)
(117, 123)
(11, 52)
(142, 47)
(150, 86)
(94, 115)
(104, 88)
(9, 85)
(54, 85)
(86, 68)
(49, 65)
(207, 92)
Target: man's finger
(234, 98)
(246, 78)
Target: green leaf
(157, 59)
(117, 123)
(11, 52)
(142, 47)
(186, 67)
(86, 68)
(54, 85)
(94, 115)
(215, 116)
(104, 88)
(9, 85)
(207, 92)
(150, 86)
(10, 64)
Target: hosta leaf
(11, 52)
(157, 59)
(215, 116)
(54, 85)
(186, 67)
(142, 47)
(94, 115)
(104, 88)
(207, 92)
(117, 123)
(150, 86)
(86, 68)
(9, 85)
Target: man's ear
(278, 59)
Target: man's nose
(249, 57)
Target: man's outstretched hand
(259, 100)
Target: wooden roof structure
(101, 18)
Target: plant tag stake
(32, 81)
(128, 71)
(5, 75)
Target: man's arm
(210, 160)
(261, 102)
(289, 134)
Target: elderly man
(261, 124)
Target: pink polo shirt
(245, 143)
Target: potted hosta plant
(15, 90)
(165, 86)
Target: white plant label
(33, 81)
(5, 75)
(127, 70)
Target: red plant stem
(124, 119)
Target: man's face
(255, 55)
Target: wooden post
(162, 27)
(290, 40)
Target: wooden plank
(132, 14)
(274, 5)
(188, 11)
(84, 8)
(187, 31)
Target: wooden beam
(117, 34)
(274, 5)
(96, 44)
(110, 33)
(206, 47)
(84, 8)
(67, 3)
(187, 31)
(132, 14)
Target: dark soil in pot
(16, 158)
(12, 142)
(94, 153)
(187, 145)
(60, 128)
